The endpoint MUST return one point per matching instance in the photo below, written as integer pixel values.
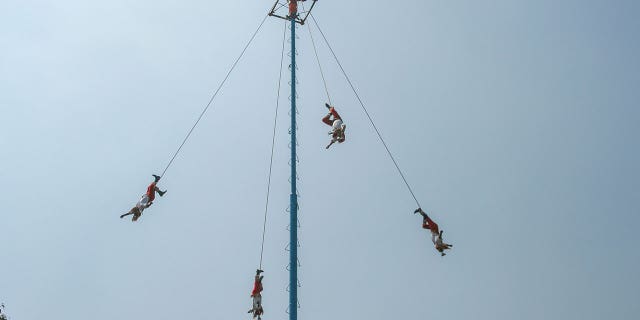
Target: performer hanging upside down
(257, 296)
(436, 233)
(337, 134)
(146, 201)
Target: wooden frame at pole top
(301, 20)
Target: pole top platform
(288, 9)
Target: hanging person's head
(341, 137)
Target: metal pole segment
(293, 198)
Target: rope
(213, 97)
(273, 142)
(326, 89)
(367, 113)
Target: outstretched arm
(329, 145)
(126, 214)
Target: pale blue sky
(516, 123)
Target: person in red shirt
(338, 127)
(146, 200)
(293, 8)
(256, 294)
(436, 233)
(152, 189)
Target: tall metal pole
(293, 198)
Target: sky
(515, 123)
